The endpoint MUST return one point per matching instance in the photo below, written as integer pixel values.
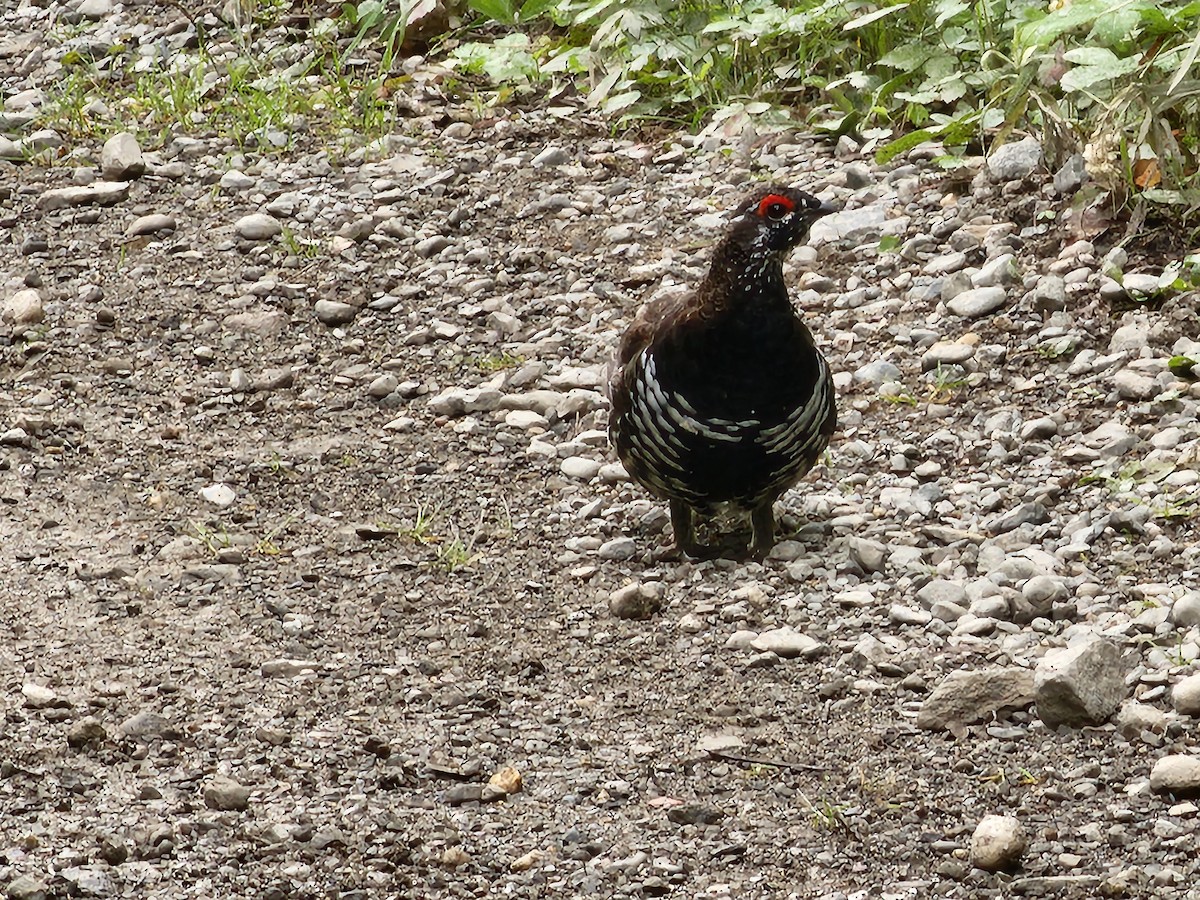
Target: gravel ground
(320, 580)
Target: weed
(421, 529)
(453, 555)
(496, 362)
(214, 540)
(903, 398)
(947, 381)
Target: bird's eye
(776, 211)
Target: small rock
(970, 696)
(24, 307)
(787, 643)
(121, 158)
(151, 224)
(382, 386)
(1177, 774)
(104, 193)
(998, 842)
(639, 600)
(978, 302)
(946, 353)
(1015, 161)
(27, 887)
(226, 795)
(552, 156)
(334, 312)
(1132, 384)
(621, 548)
(219, 495)
(694, 814)
(1026, 514)
(431, 246)
(1000, 271)
(1133, 719)
(871, 556)
(84, 732)
(258, 227)
(1080, 685)
(1185, 612)
(1185, 696)
(40, 697)
(1070, 178)
(580, 468)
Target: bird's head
(775, 219)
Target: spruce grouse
(720, 397)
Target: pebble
(787, 643)
(219, 495)
(972, 304)
(946, 353)
(580, 468)
(150, 224)
(102, 193)
(998, 842)
(974, 695)
(334, 312)
(1080, 685)
(1016, 160)
(258, 227)
(639, 600)
(1178, 775)
(1185, 612)
(24, 307)
(226, 795)
(1185, 696)
(121, 158)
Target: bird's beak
(826, 208)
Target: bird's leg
(683, 521)
(762, 524)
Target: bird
(719, 397)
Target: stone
(964, 697)
(226, 795)
(151, 224)
(334, 312)
(977, 302)
(27, 887)
(787, 643)
(1132, 384)
(86, 731)
(639, 600)
(997, 843)
(1185, 696)
(871, 556)
(1177, 774)
(1185, 612)
(219, 495)
(1015, 161)
(1002, 270)
(102, 193)
(258, 227)
(24, 307)
(552, 156)
(1134, 719)
(580, 468)
(431, 246)
(1033, 513)
(121, 158)
(1071, 175)
(1081, 684)
(946, 353)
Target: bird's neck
(746, 281)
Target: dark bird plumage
(720, 397)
